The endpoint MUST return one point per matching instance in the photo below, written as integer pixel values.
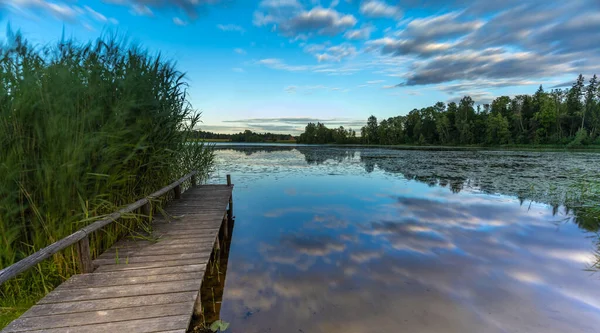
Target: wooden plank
(197, 235)
(185, 226)
(175, 230)
(101, 280)
(100, 317)
(60, 295)
(111, 303)
(158, 249)
(175, 263)
(149, 271)
(191, 218)
(150, 325)
(126, 243)
(134, 259)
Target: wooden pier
(140, 285)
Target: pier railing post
(230, 209)
(83, 254)
(146, 211)
(194, 181)
(177, 191)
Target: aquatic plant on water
(84, 129)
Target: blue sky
(273, 65)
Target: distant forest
(568, 116)
(246, 136)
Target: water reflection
(341, 244)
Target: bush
(581, 138)
(84, 129)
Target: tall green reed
(84, 129)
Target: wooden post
(194, 181)
(147, 210)
(230, 209)
(177, 191)
(83, 251)
(225, 227)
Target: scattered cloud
(333, 53)
(275, 63)
(238, 70)
(231, 27)
(508, 44)
(377, 9)
(362, 33)
(191, 8)
(141, 10)
(292, 20)
(240, 51)
(179, 21)
(94, 14)
(59, 10)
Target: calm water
(357, 240)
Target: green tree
(575, 108)
(444, 129)
(464, 120)
(591, 92)
(371, 133)
(497, 129)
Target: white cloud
(240, 51)
(179, 21)
(231, 27)
(290, 89)
(376, 8)
(362, 33)
(292, 20)
(141, 10)
(95, 15)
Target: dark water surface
(359, 240)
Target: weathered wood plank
(162, 242)
(102, 280)
(174, 263)
(99, 317)
(134, 259)
(150, 325)
(158, 249)
(111, 303)
(151, 271)
(69, 295)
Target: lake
(379, 240)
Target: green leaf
(219, 325)
(224, 325)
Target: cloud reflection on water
(412, 258)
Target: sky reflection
(334, 246)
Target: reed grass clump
(84, 129)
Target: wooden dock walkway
(142, 285)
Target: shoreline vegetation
(85, 129)
(561, 118)
(564, 117)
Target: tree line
(568, 116)
(246, 136)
